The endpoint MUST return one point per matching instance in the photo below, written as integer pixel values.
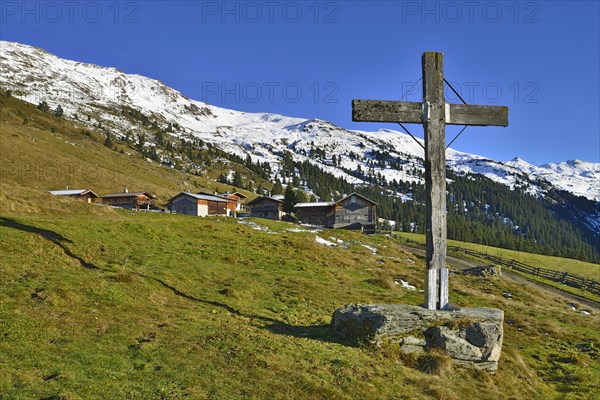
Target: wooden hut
(202, 205)
(266, 207)
(85, 195)
(132, 201)
(240, 198)
(351, 212)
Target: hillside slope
(150, 306)
(142, 114)
(41, 152)
(98, 303)
(121, 101)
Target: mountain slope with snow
(108, 97)
(581, 178)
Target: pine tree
(301, 196)
(159, 138)
(237, 180)
(289, 199)
(223, 179)
(278, 188)
(58, 112)
(108, 141)
(42, 105)
(141, 141)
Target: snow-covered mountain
(581, 178)
(95, 94)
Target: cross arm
(386, 111)
(466, 114)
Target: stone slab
(471, 336)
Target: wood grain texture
(465, 114)
(434, 113)
(435, 170)
(386, 111)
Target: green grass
(151, 306)
(565, 288)
(97, 303)
(577, 267)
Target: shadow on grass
(56, 238)
(316, 332)
(204, 301)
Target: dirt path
(523, 280)
(511, 276)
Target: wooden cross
(434, 113)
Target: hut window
(353, 199)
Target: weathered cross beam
(434, 114)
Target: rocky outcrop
(490, 270)
(472, 337)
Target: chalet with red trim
(240, 198)
(130, 201)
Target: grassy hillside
(150, 306)
(97, 303)
(578, 267)
(41, 152)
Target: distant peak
(519, 161)
(319, 122)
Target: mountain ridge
(83, 88)
(162, 125)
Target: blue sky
(310, 59)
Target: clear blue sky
(310, 59)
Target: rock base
(472, 337)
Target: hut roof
(72, 192)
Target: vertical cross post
(434, 114)
(434, 121)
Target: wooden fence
(590, 285)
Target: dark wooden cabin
(202, 205)
(322, 214)
(266, 207)
(132, 201)
(351, 212)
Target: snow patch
(371, 248)
(254, 226)
(298, 230)
(326, 242)
(405, 284)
